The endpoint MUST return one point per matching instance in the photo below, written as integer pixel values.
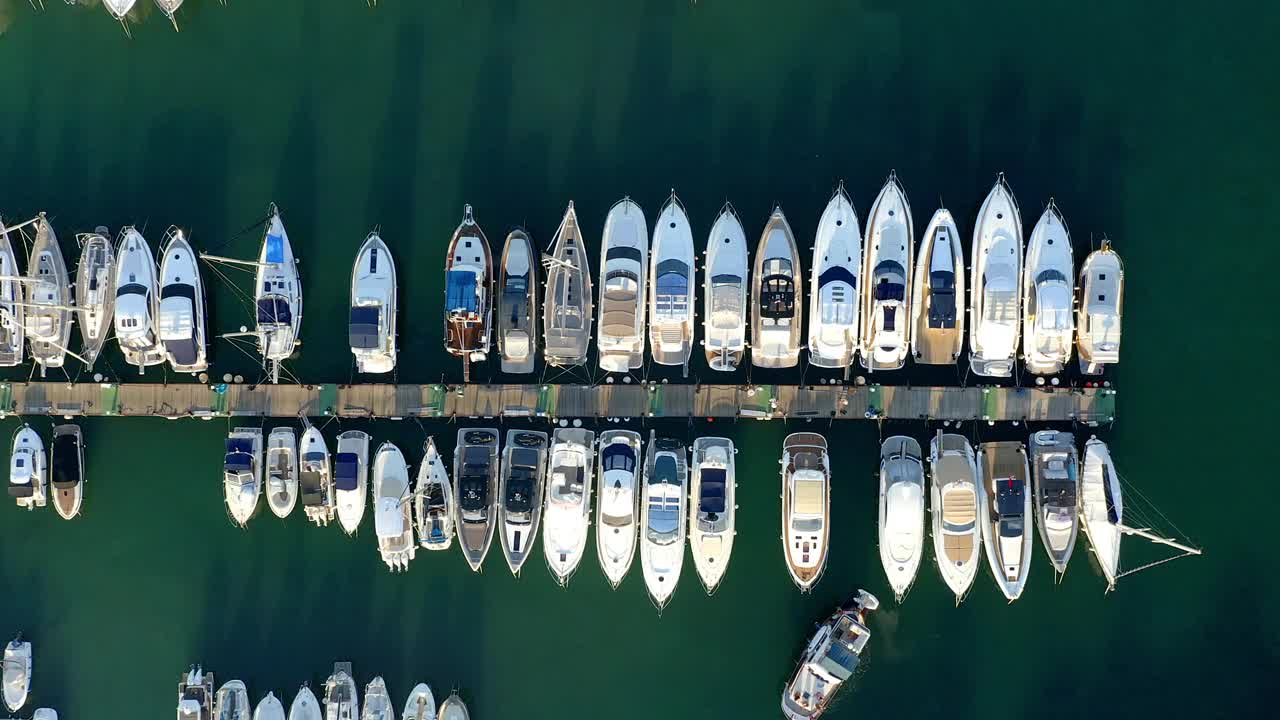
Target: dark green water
(1152, 124)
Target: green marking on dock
(6, 398)
(875, 400)
(655, 401)
(547, 401)
(759, 402)
(218, 401)
(990, 404)
(1106, 406)
(110, 399)
(328, 399)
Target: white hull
(421, 704)
(712, 509)
(568, 309)
(95, 293)
(12, 335)
(46, 319)
(617, 502)
(305, 706)
(777, 297)
(996, 270)
(315, 478)
(937, 293)
(277, 295)
(181, 316)
(17, 674)
(269, 708)
(834, 303)
(242, 474)
(377, 703)
(524, 463)
(137, 301)
(954, 501)
(1048, 324)
(28, 470)
(1098, 312)
(433, 503)
(372, 328)
(454, 709)
(351, 479)
(671, 289)
(806, 507)
(624, 265)
(518, 304)
(393, 509)
(662, 518)
(282, 471)
(232, 702)
(886, 280)
(1102, 508)
(724, 293)
(1055, 471)
(567, 511)
(901, 512)
(1006, 526)
(118, 9)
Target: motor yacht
(282, 471)
(242, 473)
(475, 477)
(567, 297)
(712, 509)
(12, 299)
(901, 512)
(351, 479)
(47, 316)
(95, 291)
(937, 293)
(1098, 310)
(277, 296)
(1055, 475)
(421, 704)
(617, 502)
(776, 292)
(454, 709)
(181, 316)
(136, 302)
(518, 304)
(392, 510)
(993, 284)
(833, 285)
(232, 702)
(1048, 327)
(433, 504)
(568, 501)
(953, 498)
(305, 706)
(340, 699)
(624, 263)
(1102, 508)
(269, 708)
(887, 260)
(671, 294)
(17, 673)
(28, 472)
(1005, 509)
(830, 658)
(377, 703)
(67, 470)
(195, 695)
(468, 295)
(724, 292)
(372, 327)
(524, 462)
(315, 478)
(662, 517)
(806, 507)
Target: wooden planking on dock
(1088, 405)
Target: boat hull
(938, 294)
(1048, 324)
(994, 297)
(834, 302)
(886, 280)
(724, 293)
(624, 268)
(518, 302)
(777, 289)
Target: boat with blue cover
(468, 293)
(712, 508)
(662, 517)
(830, 659)
(242, 473)
(315, 478)
(671, 288)
(371, 330)
(277, 296)
(833, 296)
(351, 478)
(617, 502)
(1005, 513)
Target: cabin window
(1102, 298)
(1102, 276)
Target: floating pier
(1090, 406)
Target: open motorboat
(277, 296)
(17, 673)
(28, 474)
(377, 703)
(567, 299)
(315, 478)
(887, 262)
(1098, 310)
(937, 293)
(617, 502)
(392, 511)
(305, 706)
(1055, 474)
(195, 695)
(518, 304)
(712, 509)
(623, 263)
(95, 292)
(67, 470)
(269, 708)
(806, 507)
(830, 658)
(993, 284)
(524, 461)
(12, 335)
(242, 473)
(137, 305)
(468, 293)
(776, 291)
(953, 498)
(475, 477)
(671, 286)
(662, 517)
(372, 329)
(1102, 508)
(833, 285)
(433, 505)
(1005, 510)
(351, 479)
(181, 309)
(901, 512)
(568, 501)
(232, 702)
(421, 704)
(282, 471)
(454, 709)
(340, 699)
(47, 316)
(1048, 327)
(724, 292)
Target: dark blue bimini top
(238, 462)
(344, 471)
(711, 496)
(837, 274)
(460, 291)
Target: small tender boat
(993, 284)
(242, 473)
(776, 290)
(181, 313)
(518, 304)
(1055, 470)
(17, 673)
(95, 292)
(340, 699)
(468, 294)
(28, 474)
(278, 296)
(372, 328)
(454, 709)
(662, 517)
(392, 512)
(623, 263)
(282, 471)
(617, 502)
(315, 478)
(937, 293)
(1102, 508)
(524, 461)
(671, 286)
(232, 702)
(421, 704)
(47, 316)
(377, 703)
(12, 335)
(901, 512)
(886, 321)
(806, 507)
(712, 509)
(351, 479)
(433, 504)
(953, 498)
(833, 295)
(269, 708)
(568, 501)
(137, 310)
(1005, 509)
(724, 292)
(830, 658)
(567, 298)
(475, 475)
(1048, 327)
(195, 695)
(1098, 310)
(67, 464)
(305, 706)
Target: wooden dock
(870, 402)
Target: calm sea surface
(1154, 125)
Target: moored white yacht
(617, 502)
(624, 266)
(834, 302)
(724, 292)
(901, 512)
(1099, 308)
(1048, 326)
(953, 499)
(468, 293)
(475, 477)
(232, 701)
(524, 461)
(392, 509)
(315, 478)
(518, 304)
(671, 293)
(937, 293)
(886, 268)
(137, 288)
(1005, 512)
(277, 296)
(662, 517)
(1102, 508)
(377, 703)
(17, 673)
(712, 509)
(95, 292)
(195, 695)
(282, 471)
(568, 501)
(12, 335)
(421, 704)
(994, 275)
(242, 473)
(66, 470)
(181, 310)
(567, 298)
(269, 708)
(777, 311)
(806, 507)
(340, 699)
(830, 658)
(454, 709)
(47, 316)
(371, 331)
(351, 478)
(28, 469)
(305, 706)
(1055, 474)
(433, 506)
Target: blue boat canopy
(460, 291)
(239, 444)
(890, 291)
(238, 462)
(275, 248)
(837, 273)
(711, 495)
(362, 331)
(346, 467)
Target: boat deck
(936, 346)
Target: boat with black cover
(475, 477)
(67, 456)
(524, 461)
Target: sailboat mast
(1144, 533)
(234, 261)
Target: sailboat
(1055, 475)
(181, 315)
(315, 478)
(468, 293)
(617, 502)
(1005, 513)
(886, 314)
(242, 473)
(623, 266)
(568, 501)
(47, 318)
(433, 504)
(713, 509)
(95, 292)
(662, 517)
(137, 291)
(12, 335)
(671, 286)
(953, 499)
(567, 299)
(1048, 327)
(282, 471)
(475, 477)
(195, 695)
(937, 293)
(524, 462)
(993, 284)
(232, 701)
(372, 327)
(66, 476)
(421, 704)
(28, 469)
(833, 285)
(518, 304)
(724, 292)
(351, 478)
(901, 512)
(1098, 310)
(392, 512)
(776, 290)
